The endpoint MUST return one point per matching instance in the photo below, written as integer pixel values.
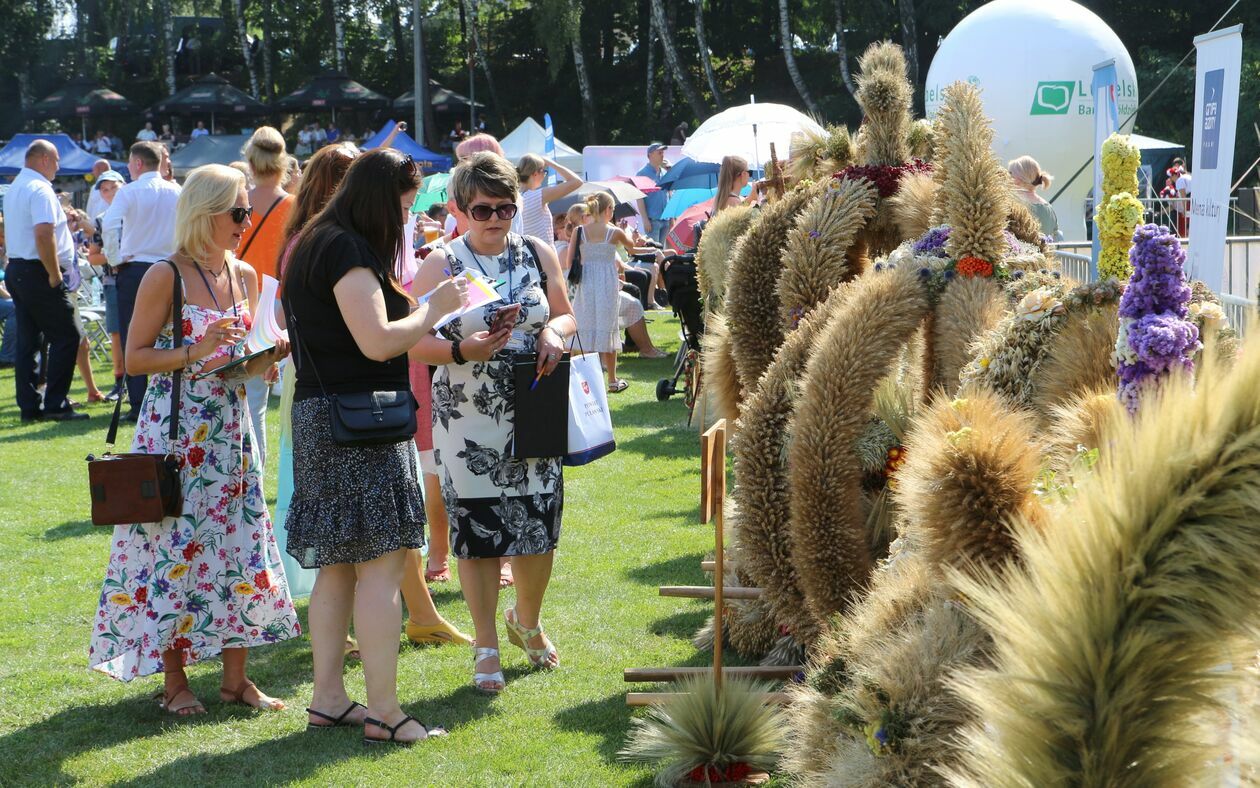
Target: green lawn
(631, 524)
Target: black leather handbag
(376, 418)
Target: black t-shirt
(324, 343)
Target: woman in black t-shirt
(357, 510)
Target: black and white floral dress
(498, 505)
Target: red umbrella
(640, 182)
(682, 235)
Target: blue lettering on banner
(1213, 87)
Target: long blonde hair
(1027, 173)
(731, 168)
(529, 165)
(210, 190)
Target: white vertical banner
(1218, 62)
(1106, 123)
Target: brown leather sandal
(238, 696)
(170, 702)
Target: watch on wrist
(456, 355)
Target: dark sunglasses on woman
(482, 213)
(239, 215)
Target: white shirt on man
(140, 224)
(29, 201)
(104, 146)
(96, 204)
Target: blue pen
(537, 378)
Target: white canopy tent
(529, 138)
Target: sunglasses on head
(409, 165)
(482, 213)
(239, 215)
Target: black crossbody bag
(367, 418)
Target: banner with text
(1218, 63)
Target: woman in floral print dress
(208, 582)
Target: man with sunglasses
(138, 231)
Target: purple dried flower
(933, 242)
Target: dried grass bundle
(721, 379)
(911, 207)
(1077, 359)
(885, 94)
(975, 187)
(816, 256)
(713, 257)
(1111, 641)
(969, 307)
(857, 348)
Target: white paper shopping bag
(590, 422)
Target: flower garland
(886, 177)
(1118, 211)
(1155, 337)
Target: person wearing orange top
(261, 246)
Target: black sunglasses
(482, 212)
(239, 215)
(409, 164)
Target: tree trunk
(703, 43)
(584, 83)
(80, 35)
(400, 46)
(910, 40)
(649, 43)
(120, 53)
(842, 50)
(339, 35)
(789, 59)
(431, 138)
(675, 65)
(168, 45)
(471, 7)
(239, 7)
(270, 87)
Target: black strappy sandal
(393, 731)
(333, 722)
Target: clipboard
(542, 410)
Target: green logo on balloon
(1052, 98)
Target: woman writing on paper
(210, 581)
(497, 505)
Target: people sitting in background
(319, 137)
(1029, 177)
(199, 131)
(102, 146)
(531, 170)
(146, 134)
(167, 137)
(458, 135)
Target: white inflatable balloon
(1033, 61)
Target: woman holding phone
(210, 581)
(498, 505)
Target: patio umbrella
(682, 199)
(682, 235)
(431, 193)
(212, 95)
(691, 174)
(748, 131)
(332, 91)
(81, 97)
(640, 182)
(442, 98)
(623, 194)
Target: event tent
(428, 160)
(74, 160)
(442, 98)
(333, 91)
(81, 97)
(211, 95)
(210, 149)
(528, 138)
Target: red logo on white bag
(586, 388)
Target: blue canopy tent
(74, 160)
(427, 159)
(690, 174)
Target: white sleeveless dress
(597, 304)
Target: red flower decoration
(262, 580)
(188, 327)
(709, 773)
(192, 550)
(887, 178)
(181, 643)
(196, 456)
(974, 266)
(142, 595)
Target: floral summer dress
(212, 578)
(498, 505)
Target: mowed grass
(631, 524)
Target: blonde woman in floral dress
(209, 582)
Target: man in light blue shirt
(655, 226)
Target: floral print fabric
(498, 505)
(210, 579)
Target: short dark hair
(484, 172)
(148, 152)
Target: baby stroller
(683, 287)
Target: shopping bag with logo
(590, 422)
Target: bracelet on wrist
(456, 355)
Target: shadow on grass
(69, 530)
(682, 625)
(610, 716)
(15, 431)
(680, 570)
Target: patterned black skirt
(350, 504)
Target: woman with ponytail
(1028, 177)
